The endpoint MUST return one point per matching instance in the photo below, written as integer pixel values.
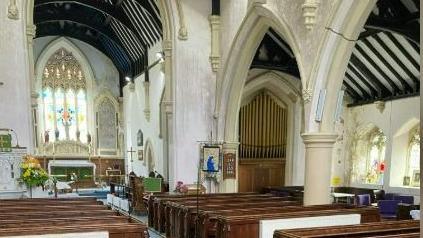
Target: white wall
(135, 118)
(15, 96)
(394, 117)
(194, 93)
(105, 73)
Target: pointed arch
(54, 46)
(257, 22)
(343, 28)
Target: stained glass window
(376, 156)
(49, 115)
(82, 115)
(64, 98)
(413, 160)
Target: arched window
(64, 98)
(375, 164)
(413, 158)
(368, 156)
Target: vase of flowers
(32, 173)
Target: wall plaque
(229, 166)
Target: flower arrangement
(181, 187)
(32, 173)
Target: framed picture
(210, 158)
(415, 182)
(141, 155)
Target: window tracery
(413, 157)
(64, 98)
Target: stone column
(318, 157)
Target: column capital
(322, 140)
(230, 146)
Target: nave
(279, 115)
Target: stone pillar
(230, 185)
(318, 157)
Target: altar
(10, 173)
(64, 169)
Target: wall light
(128, 79)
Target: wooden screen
(263, 128)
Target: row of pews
(24, 217)
(238, 215)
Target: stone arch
(150, 156)
(285, 89)
(257, 22)
(344, 26)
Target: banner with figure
(211, 158)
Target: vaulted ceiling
(121, 29)
(385, 63)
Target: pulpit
(10, 173)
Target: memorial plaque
(229, 166)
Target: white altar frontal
(10, 173)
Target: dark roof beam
(98, 28)
(357, 85)
(398, 61)
(374, 90)
(403, 50)
(355, 95)
(137, 22)
(404, 83)
(394, 86)
(355, 62)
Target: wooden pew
(154, 201)
(385, 229)
(36, 207)
(116, 230)
(160, 204)
(183, 220)
(207, 219)
(42, 216)
(181, 211)
(247, 226)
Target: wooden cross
(131, 151)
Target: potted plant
(32, 173)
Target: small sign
(152, 185)
(229, 166)
(5, 143)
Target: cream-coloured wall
(135, 117)
(15, 94)
(394, 118)
(194, 85)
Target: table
(348, 196)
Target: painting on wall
(210, 158)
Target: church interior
(209, 118)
